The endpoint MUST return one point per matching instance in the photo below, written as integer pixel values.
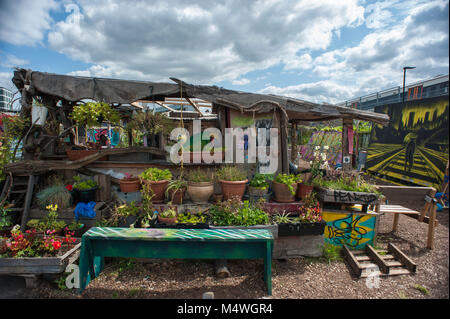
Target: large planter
(176, 196)
(39, 265)
(158, 189)
(232, 189)
(84, 195)
(346, 197)
(200, 192)
(130, 185)
(301, 229)
(75, 155)
(282, 192)
(303, 190)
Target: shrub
(199, 175)
(234, 212)
(231, 173)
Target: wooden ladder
(388, 262)
(18, 190)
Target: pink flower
(56, 245)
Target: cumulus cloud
(24, 22)
(376, 63)
(199, 41)
(242, 81)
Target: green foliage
(150, 123)
(347, 184)
(56, 194)
(310, 200)
(75, 225)
(331, 252)
(288, 180)
(5, 220)
(231, 173)
(127, 210)
(83, 184)
(234, 212)
(155, 174)
(168, 213)
(199, 175)
(188, 218)
(282, 218)
(175, 185)
(422, 289)
(89, 114)
(261, 181)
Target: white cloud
(24, 22)
(201, 41)
(8, 60)
(242, 81)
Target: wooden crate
(326, 195)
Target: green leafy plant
(155, 174)
(231, 173)
(127, 210)
(188, 218)
(168, 213)
(282, 218)
(331, 252)
(288, 180)
(175, 185)
(5, 219)
(150, 123)
(75, 225)
(260, 181)
(346, 183)
(83, 184)
(199, 175)
(234, 212)
(93, 113)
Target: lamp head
(408, 67)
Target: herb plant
(288, 180)
(260, 181)
(231, 173)
(199, 175)
(155, 174)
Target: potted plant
(167, 216)
(147, 123)
(175, 191)
(84, 190)
(285, 187)
(126, 214)
(129, 183)
(190, 220)
(200, 185)
(233, 180)
(157, 180)
(318, 163)
(259, 186)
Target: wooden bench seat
(100, 242)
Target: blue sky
(320, 51)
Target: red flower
(56, 245)
(69, 188)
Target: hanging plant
(93, 113)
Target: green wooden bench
(100, 242)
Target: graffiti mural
(112, 135)
(413, 149)
(353, 230)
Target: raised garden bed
(326, 195)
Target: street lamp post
(404, 78)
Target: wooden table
(100, 242)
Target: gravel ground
(303, 278)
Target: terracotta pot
(177, 197)
(257, 191)
(303, 190)
(158, 189)
(233, 189)
(282, 192)
(200, 192)
(75, 155)
(168, 221)
(130, 185)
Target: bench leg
(395, 224)
(431, 226)
(268, 269)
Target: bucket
(38, 115)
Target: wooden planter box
(301, 229)
(346, 197)
(39, 265)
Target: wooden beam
(165, 106)
(194, 106)
(135, 104)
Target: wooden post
(395, 225)
(293, 141)
(346, 123)
(284, 147)
(431, 226)
(104, 187)
(27, 204)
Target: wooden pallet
(388, 262)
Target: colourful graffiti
(413, 149)
(112, 135)
(353, 230)
(332, 139)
